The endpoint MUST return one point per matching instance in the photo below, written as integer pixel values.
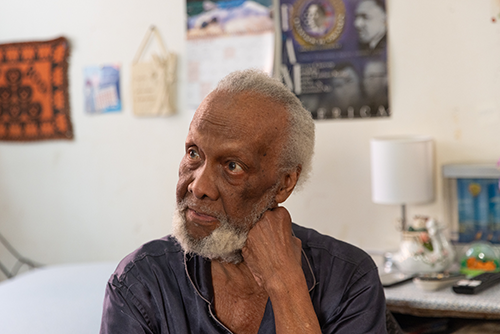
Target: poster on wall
(102, 89)
(224, 36)
(495, 11)
(34, 97)
(334, 56)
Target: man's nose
(203, 184)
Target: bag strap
(144, 43)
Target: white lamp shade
(402, 169)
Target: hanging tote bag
(154, 82)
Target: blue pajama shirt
(159, 289)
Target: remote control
(394, 278)
(477, 284)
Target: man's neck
(239, 301)
(373, 44)
(235, 276)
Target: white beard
(224, 243)
(227, 240)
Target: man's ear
(287, 184)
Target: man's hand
(273, 256)
(271, 250)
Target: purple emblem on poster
(334, 56)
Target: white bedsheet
(55, 299)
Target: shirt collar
(199, 272)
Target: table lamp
(402, 169)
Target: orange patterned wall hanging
(34, 101)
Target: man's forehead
(345, 75)
(246, 111)
(367, 5)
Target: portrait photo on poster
(334, 56)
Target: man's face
(346, 87)
(375, 79)
(314, 17)
(228, 175)
(370, 21)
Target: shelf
(471, 170)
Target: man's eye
(234, 167)
(193, 154)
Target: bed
(55, 299)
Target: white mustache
(193, 204)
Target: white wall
(112, 188)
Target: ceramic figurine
(424, 248)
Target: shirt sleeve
(123, 313)
(362, 309)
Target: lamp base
(403, 217)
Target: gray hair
(299, 149)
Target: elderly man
(236, 263)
